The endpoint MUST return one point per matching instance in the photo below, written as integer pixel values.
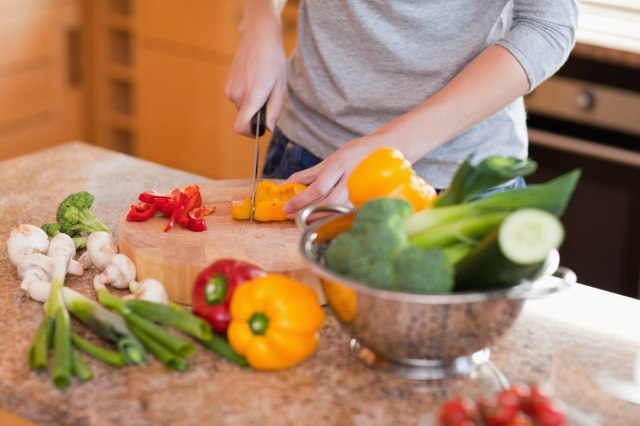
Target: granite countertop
(564, 340)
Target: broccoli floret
(423, 271)
(73, 215)
(365, 253)
(53, 229)
(389, 212)
(376, 252)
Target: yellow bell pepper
(270, 199)
(343, 300)
(274, 322)
(386, 173)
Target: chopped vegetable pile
(269, 202)
(460, 242)
(182, 206)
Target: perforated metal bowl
(415, 335)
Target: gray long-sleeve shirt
(361, 63)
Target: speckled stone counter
(565, 340)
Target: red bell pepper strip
(196, 218)
(151, 197)
(178, 209)
(194, 200)
(141, 212)
(214, 288)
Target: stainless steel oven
(588, 116)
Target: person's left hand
(327, 180)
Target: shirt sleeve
(541, 36)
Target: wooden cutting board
(176, 257)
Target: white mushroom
(61, 250)
(37, 289)
(35, 271)
(36, 264)
(100, 247)
(75, 268)
(24, 240)
(119, 273)
(148, 289)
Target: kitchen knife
(258, 127)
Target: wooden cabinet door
(184, 119)
(183, 56)
(40, 94)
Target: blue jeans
(285, 157)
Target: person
(439, 80)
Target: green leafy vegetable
(471, 180)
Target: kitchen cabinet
(40, 75)
(161, 94)
(185, 121)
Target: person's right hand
(258, 73)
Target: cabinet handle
(74, 57)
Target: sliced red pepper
(196, 218)
(141, 212)
(178, 209)
(214, 288)
(151, 197)
(194, 200)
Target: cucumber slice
(527, 236)
(514, 252)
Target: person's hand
(327, 180)
(258, 71)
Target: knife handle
(258, 129)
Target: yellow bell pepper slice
(270, 199)
(274, 322)
(386, 173)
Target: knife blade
(258, 127)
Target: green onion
(220, 346)
(107, 325)
(173, 316)
(163, 337)
(62, 362)
(136, 322)
(110, 357)
(80, 369)
(39, 352)
(169, 359)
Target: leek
(552, 196)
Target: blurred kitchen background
(146, 77)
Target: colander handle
(561, 279)
(303, 216)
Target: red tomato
(521, 419)
(497, 413)
(457, 412)
(545, 414)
